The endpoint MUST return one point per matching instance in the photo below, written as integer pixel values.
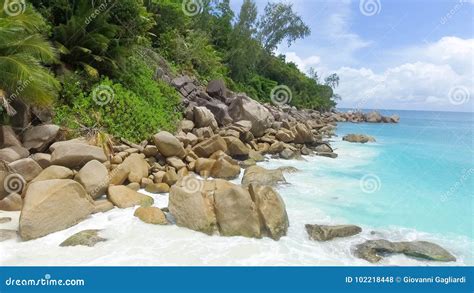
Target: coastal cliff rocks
(53, 205)
(325, 232)
(359, 138)
(229, 209)
(84, 238)
(373, 250)
(271, 209)
(244, 108)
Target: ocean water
(414, 183)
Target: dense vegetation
(95, 61)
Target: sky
(389, 54)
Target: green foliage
(24, 51)
(133, 108)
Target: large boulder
(38, 138)
(13, 153)
(151, 215)
(285, 135)
(271, 209)
(325, 232)
(216, 88)
(244, 108)
(169, 145)
(8, 137)
(220, 112)
(224, 169)
(236, 213)
(74, 155)
(94, 177)
(27, 168)
(204, 166)
(206, 148)
(124, 197)
(302, 134)
(53, 205)
(260, 176)
(235, 147)
(374, 250)
(203, 117)
(191, 204)
(359, 138)
(133, 168)
(43, 159)
(54, 172)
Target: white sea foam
(132, 242)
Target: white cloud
(304, 64)
(424, 84)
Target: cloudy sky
(390, 54)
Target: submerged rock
(325, 232)
(261, 176)
(4, 220)
(84, 238)
(374, 250)
(360, 138)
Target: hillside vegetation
(94, 62)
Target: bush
(134, 107)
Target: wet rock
(359, 138)
(4, 220)
(53, 205)
(151, 215)
(326, 232)
(84, 238)
(102, 206)
(261, 176)
(374, 250)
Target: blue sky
(390, 54)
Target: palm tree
(23, 55)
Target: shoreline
(116, 221)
